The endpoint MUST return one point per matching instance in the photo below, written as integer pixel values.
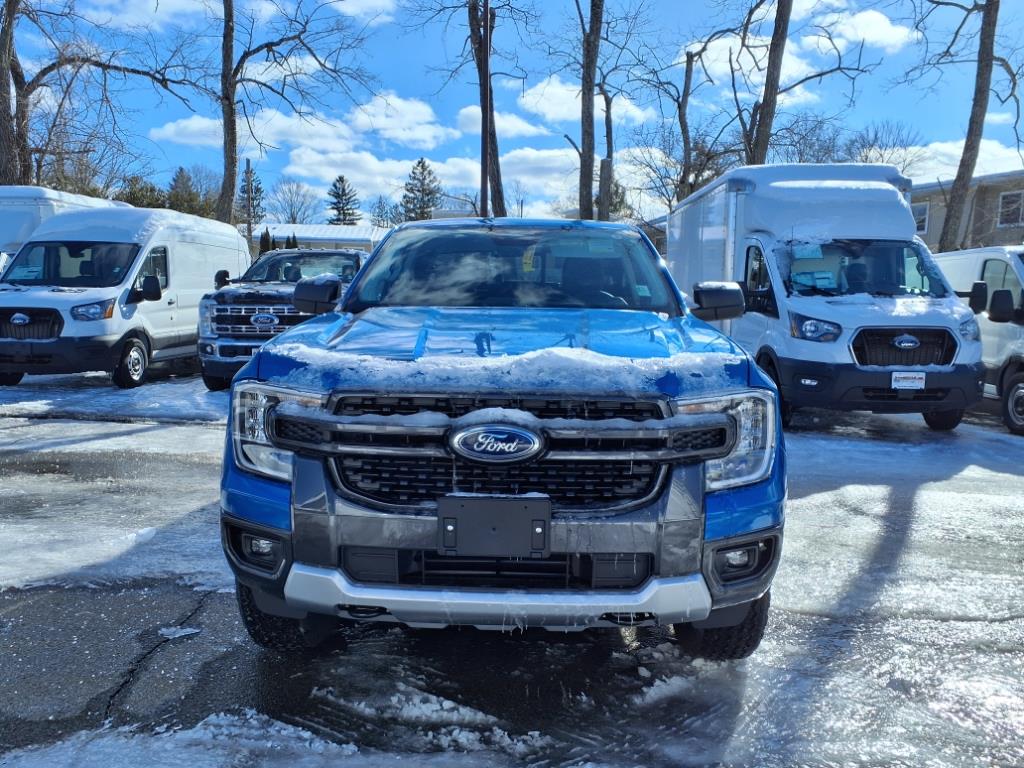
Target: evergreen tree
(182, 194)
(344, 202)
(137, 191)
(265, 244)
(423, 192)
(385, 214)
(273, 244)
(293, 242)
(259, 211)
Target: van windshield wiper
(815, 290)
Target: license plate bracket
(908, 379)
(476, 526)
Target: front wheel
(1013, 404)
(943, 421)
(10, 379)
(727, 643)
(132, 366)
(215, 383)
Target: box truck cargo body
(846, 309)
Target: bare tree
(886, 141)
(807, 137)
(292, 202)
(590, 29)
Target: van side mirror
(317, 295)
(979, 297)
(718, 301)
(151, 288)
(221, 278)
(1000, 310)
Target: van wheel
(215, 383)
(131, 369)
(727, 643)
(1013, 404)
(10, 379)
(943, 421)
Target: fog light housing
(260, 547)
(260, 551)
(737, 558)
(743, 561)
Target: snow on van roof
(22, 193)
(128, 225)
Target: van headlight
(206, 309)
(251, 406)
(751, 458)
(812, 329)
(101, 310)
(969, 330)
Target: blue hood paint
(421, 333)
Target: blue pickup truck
(506, 424)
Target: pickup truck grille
(236, 320)
(42, 325)
(455, 406)
(875, 346)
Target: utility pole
(485, 112)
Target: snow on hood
(526, 350)
(862, 309)
(53, 297)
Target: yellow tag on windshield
(528, 260)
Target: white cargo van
(991, 278)
(112, 289)
(22, 209)
(845, 307)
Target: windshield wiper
(815, 290)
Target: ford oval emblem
(20, 319)
(906, 341)
(496, 443)
(264, 320)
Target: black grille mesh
(874, 346)
(42, 324)
(456, 406)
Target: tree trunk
(604, 187)
(684, 183)
(9, 167)
(22, 101)
(588, 77)
(226, 199)
(764, 113)
(975, 126)
(476, 42)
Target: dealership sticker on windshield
(908, 380)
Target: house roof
(989, 178)
(332, 233)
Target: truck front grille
(875, 346)
(454, 406)
(42, 325)
(235, 320)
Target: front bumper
(225, 357)
(853, 388)
(76, 354)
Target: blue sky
(375, 141)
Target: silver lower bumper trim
(328, 591)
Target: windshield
(72, 264)
(846, 267)
(476, 266)
(292, 267)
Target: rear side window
(154, 264)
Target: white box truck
(846, 308)
(111, 290)
(992, 279)
(22, 209)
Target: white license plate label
(908, 380)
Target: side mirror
(979, 297)
(317, 295)
(718, 301)
(221, 278)
(1000, 310)
(151, 288)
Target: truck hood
(861, 309)
(430, 349)
(254, 293)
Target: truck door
(999, 340)
(753, 329)
(159, 317)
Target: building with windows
(994, 212)
(362, 236)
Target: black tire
(215, 383)
(10, 379)
(273, 632)
(1013, 404)
(943, 421)
(132, 366)
(727, 643)
(785, 409)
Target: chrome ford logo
(264, 320)
(496, 443)
(20, 319)
(906, 341)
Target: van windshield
(514, 266)
(847, 267)
(292, 267)
(72, 264)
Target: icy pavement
(896, 636)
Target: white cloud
(543, 172)
(999, 118)
(150, 14)
(271, 127)
(941, 159)
(373, 11)
(408, 122)
(509, 125)
(805, 8)
(871, 27)
(725, 52)
(559, 102)
(193, 131)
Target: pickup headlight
(251, 405)
(206, 310)
(810, 329)
(969, 330)
(101, 310)
(754, 452)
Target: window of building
(920, 211)
(1011, 209)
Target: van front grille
(41, 325)
(878, 346)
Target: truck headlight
(251, 405)
(969, 330)
(754, 452)
(810, 329)
(206, 309)
(101, 310)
